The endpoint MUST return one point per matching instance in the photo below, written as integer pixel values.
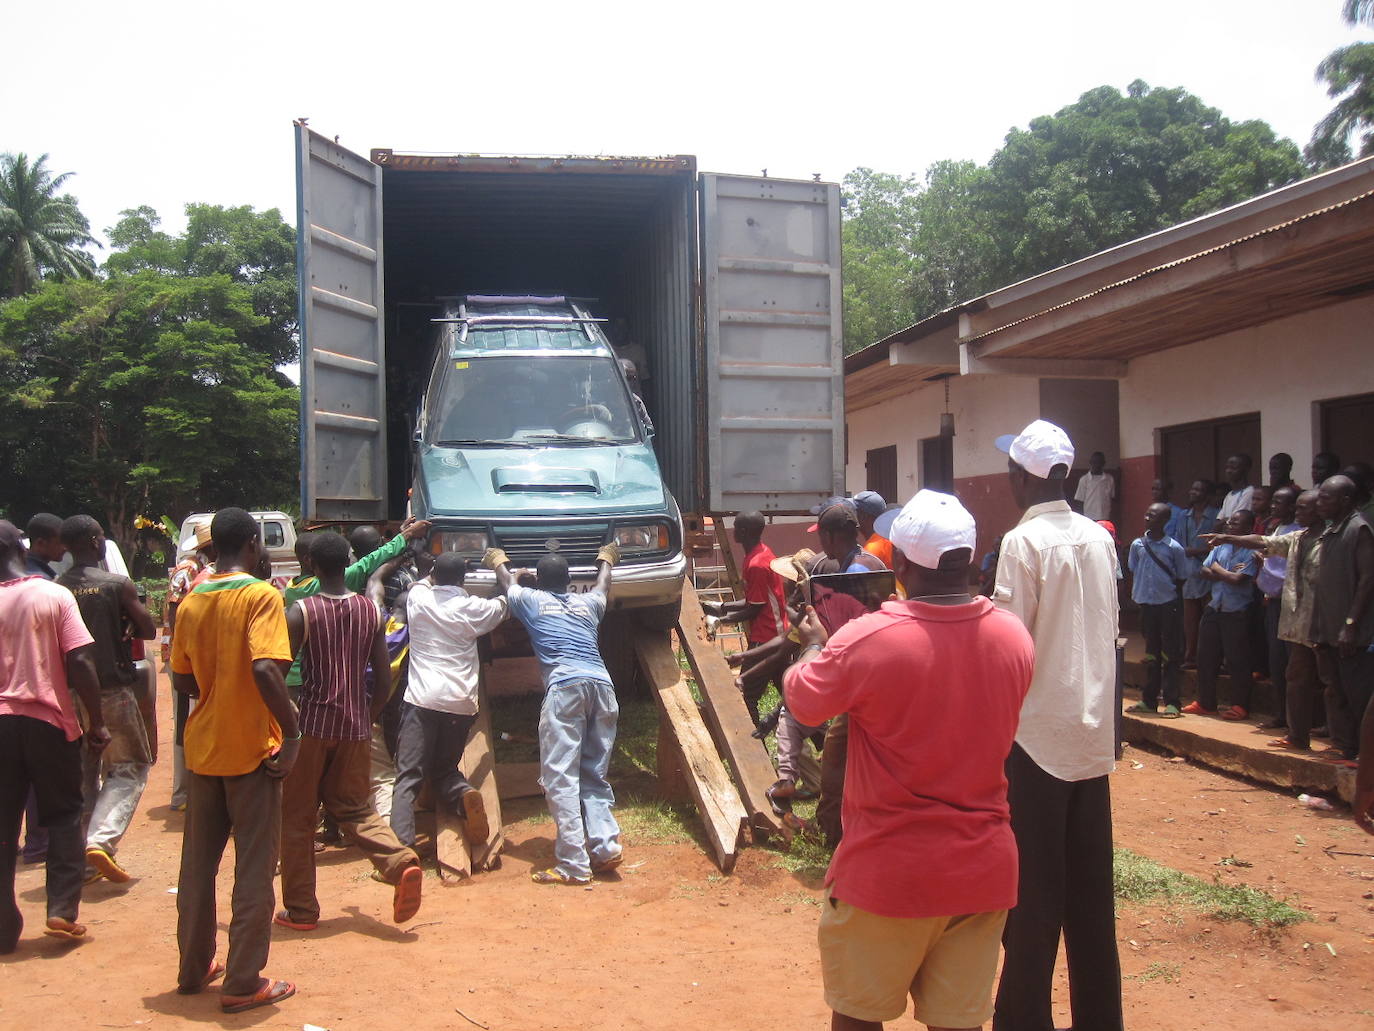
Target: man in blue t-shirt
(1225, 629)
(578, 718)
(1158, 569)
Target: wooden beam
(1066, 368)
(728, 717)
(722, 814)
(941, 352)
(456, 855)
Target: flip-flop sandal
(1141, 707)
(475, 826)
(269, 992)
(99, 859)
(212, 975)
(65, 930)
(554, 877)
(405, 900)
(283, 919)
(607, 865)
(1283, 742)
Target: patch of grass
(808, 858)
(799, 898)
(653, 820)
(1169, 973)
(1143, 880)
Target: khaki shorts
(946, 964)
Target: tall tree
(42, 231)
(1348, 74)
(254, 248)
(1109, 168)
(138, 394)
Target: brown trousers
(338, 775)
(249, 807)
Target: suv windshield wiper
(566, 438)
(482, 443)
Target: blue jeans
(576, 734)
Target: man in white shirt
(1238, 488)
(1057, 572)
(441, 696)
(1096, 489)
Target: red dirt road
(673, 944)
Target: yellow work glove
(609, 554)
(494, 558)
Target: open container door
(773, 373)
(343, 372)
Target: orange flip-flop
(405, 901)
(212, 975)
(284, 919)
(66, 930)
(268, 993)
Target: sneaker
(104, 863)
(1196, 709)
(1171, 712)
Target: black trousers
(1064, 836)
(1348, 683)
(1162, 628)
(1228, 634)
(1278, 658)
(430, 746)
(35, 754)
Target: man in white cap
(933, 685)
(1057, 572)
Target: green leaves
(41, 231)
(1109, 168)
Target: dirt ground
(672, 943)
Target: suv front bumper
(633, 586)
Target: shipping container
(729, 284)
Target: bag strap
(1159, 562)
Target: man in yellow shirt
(229, 652)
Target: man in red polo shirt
(764, 606)
(926, 871)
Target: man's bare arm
(136, 612)
(269, 676)
(295, 627)
(82, 678)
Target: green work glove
(609, 553)
(495, 558)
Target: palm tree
(1349, 76)
(41, 232)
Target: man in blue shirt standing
(1225, 629)
(1158, 569)
(578, 719)
(1197, 519)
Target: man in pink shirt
(926, 871)
(46, 654)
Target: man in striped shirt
(335, 633)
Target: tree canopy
(42, 231)
(155, 388)
(1108, 168)
(1349, 77)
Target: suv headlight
(464, 542)
(640, 538)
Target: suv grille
(527, 545)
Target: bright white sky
(163, 103)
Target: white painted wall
(984, 407)
(1280, 369)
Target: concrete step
(1240, 748)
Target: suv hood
(537, 481)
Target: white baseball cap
(929, 525)
(1038, 448)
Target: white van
(278, 537)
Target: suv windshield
(525, 400)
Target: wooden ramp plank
(728, 717)
(722, 813)
(456, 855)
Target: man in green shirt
(355, 577)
